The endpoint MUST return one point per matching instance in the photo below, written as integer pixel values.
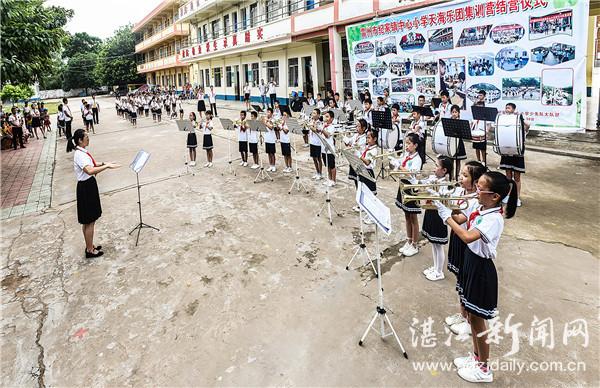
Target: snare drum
(477, 136)
(509, 136)
(441, 144)
(387, 138)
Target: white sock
(438, 257)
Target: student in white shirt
(192, 140)
(242, 133)
(368, 157)
(310, 100)
(270, 140)
(368, 111)
(358, 141)
(284, 139)
(89, 208)
(478, 283)
(328, 157)
(212, 99)
(180, 107)
(272, 91)
(247, 91)
(315, 143)
(320, 102)
(253, 141)
(201, 104)
(96, 110)
(68, 118)
(17, 122)
(88, 116)
(207, 142)
(262, 89)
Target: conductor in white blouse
(88, 197)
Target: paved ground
(244, 285)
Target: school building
(300, 44)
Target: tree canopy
(79, 43)
(116, 61)
(79, 71)
(30, 38)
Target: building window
(255, 75)
(310, 4)
(226, 24)
(201, 78)
(217, 77)
(293, 72)
(179, 83)
(273, 71)
(253, 14)
(228, 76)
(244, 18)
(247, 74)
(234, 21)
(214, 27)
(205, 32)
(207, 78)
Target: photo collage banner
(529, 52)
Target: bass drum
(509, 136)
(387, 138)
(441, 144)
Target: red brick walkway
(18, 172)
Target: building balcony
(159, 64)
(173, 31)
(195, 9)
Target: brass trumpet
(389, 154)
(453, 202)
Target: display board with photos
(531, 53)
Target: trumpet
(453, 202)
(389, 154)
(239, 122)
(428, 185)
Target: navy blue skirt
(478, 286)
(89, 208)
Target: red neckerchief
(408, 158)
(367, 150)
(88, 154)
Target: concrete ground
(244, 285)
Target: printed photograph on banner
(521, 89)
(362, 85)
(481, 65)
(553, 54)
(379, 85)
(364, 50)
(452, 78)
(473, 36)
(402, 85)
(557, 87)
(425, 64)
(512, 58)
(400, 66)
(386, 46)
(556, 23)
(378, 68)
(404, 101)
(361, 69)
(492, 93)
(507, 33)
(426, 86)
(411, 42)
(441, 39)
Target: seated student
(320, 102)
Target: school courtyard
(245, 286)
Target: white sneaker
(319, 177)
(474, 373)
(462, 362)
(368, 221)
(206, 164)
(210, 165)
(518, 203)
(315, 176)
(255, 166)
(435, 276)
(274, 169)
(245, 164)
(356, 209)
(404, 247)
(427, 270)
(242, 163)
(411, 251)
(192, 163)
(461, 329)
(454, 319)
(306, 145)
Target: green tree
(81, 42)
(15, 93)
(116, 61)
(31, 34)
(79, 72)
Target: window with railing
(255, 74)
(226, 25)
(293, 72)
(207, 77)
(253, 14)
(273, 71)
(228, 76)
(217, 77)
(234, 21)
(214, 27)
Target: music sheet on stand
(374, 207)
(140, 161)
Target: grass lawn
(52, 106)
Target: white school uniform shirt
(330, 140)
(311, 101)
(312, 136)
(284, 137)
(67, 112)
(146, 104)
(421, 124)
(247, 89)
(262, 88)
(369, 116)
(360, 141)
(320, 104)
(194, 126)
(410, 162)
(82, 158)
(88, 114)
(490, 224)
(242, 135)
(212, 97)
(252, 135)
(61, 116)
(179, 106)
(95, 104)
(369, 153)
(270, 136)
(276, 114)
(207, 127)
(271, 88)
(444, 110)
(16, 120)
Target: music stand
(435, 102)
(285, 108)
(327, 204)
(381, 215)
(458, 129)
(361, 249)
(138, 163)
(256, 108)
(296, 182)
(487, 114)
(183, 125)
(262, 174)
(228, 125)
(382, 120)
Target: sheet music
(139, 161)
(374, 208)
(357, 165)
(183, 125)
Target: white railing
(165, 62)
(180, 29)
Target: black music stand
(285, 108)
(435, 102)
(458, 129)
(486, 114)
(138, 163)
(256, 108)
(382, 119)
